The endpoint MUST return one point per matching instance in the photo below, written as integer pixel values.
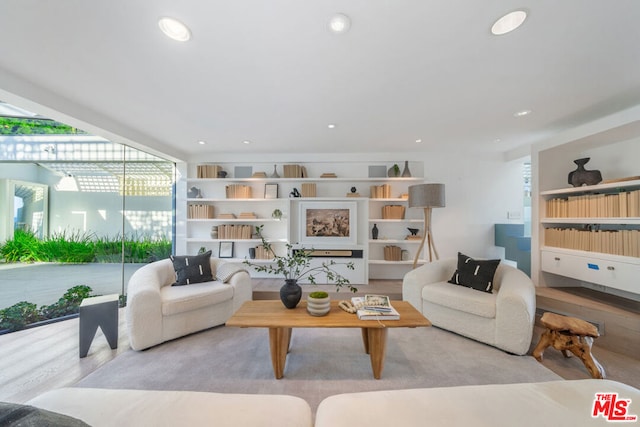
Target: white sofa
(503, 318)
(153, 408)
(157, 312)
(555, 403)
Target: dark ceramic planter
(290, 293)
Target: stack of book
(294, 171)
(248, 215)
(375, 307)
(393, 212)
(200, 211)
(392, 253)
(380, 191)
(615, 242)
(208, 171)
(234, 231)
(238, 191)
(308, 189)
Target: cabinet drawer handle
(610, 268)
(556, 258)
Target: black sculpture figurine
(581, 176)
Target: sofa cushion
(192, 269)
(226, 270)
(187, 298)
(475, 274)
(461, 298)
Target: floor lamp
(426, 196)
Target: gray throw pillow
(192, 269)
(475, 274)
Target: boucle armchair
(502, 318)
(157, 312)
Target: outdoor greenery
(23, 126)
(297, 265)
(21, 314)
(76, 247)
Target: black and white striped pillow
(474, 273)
(192, 269)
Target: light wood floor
(44, 358)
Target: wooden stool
(568, 333)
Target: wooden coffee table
(281, 320)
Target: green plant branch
(296, 265)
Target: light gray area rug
(322, 362)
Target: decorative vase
(393, 171)
(581, 176)
(318, 306)
(406, 173)
(290, 293)
(374, 232)
(275, 173)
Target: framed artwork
(331, 223)
(271, 191)
(225, 250)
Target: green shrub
(19, 315)
(68, 304)
(24, 247)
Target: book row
(623, 205)
(195, 211)
(234, 231)
(615, 242)
(238, 191)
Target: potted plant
(296, 265)
(318, 303)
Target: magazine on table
(372, 307)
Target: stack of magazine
(375, 307)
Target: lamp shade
(426, 196)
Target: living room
(429, 85)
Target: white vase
(318, 306)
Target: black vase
(290, 293)
(581, 176)
(374, 232)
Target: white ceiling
(271, 72)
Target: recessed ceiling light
(331, 126)
(497, 140)
(508, 22)
(339, 23)
(522, 113)
(418, 141)
(246, 141)
(202, 142)
(174, 29)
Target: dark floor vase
(290, 293)
(581, 176)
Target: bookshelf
(588, 236)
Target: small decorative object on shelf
(581, 176)
(222, 174)
(214, 232)
(275, 172)
(276, 214)
(194, 192)
(394, 171)
(406, 173)
(295, 193)
(374, 232)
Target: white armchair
(503, 318)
